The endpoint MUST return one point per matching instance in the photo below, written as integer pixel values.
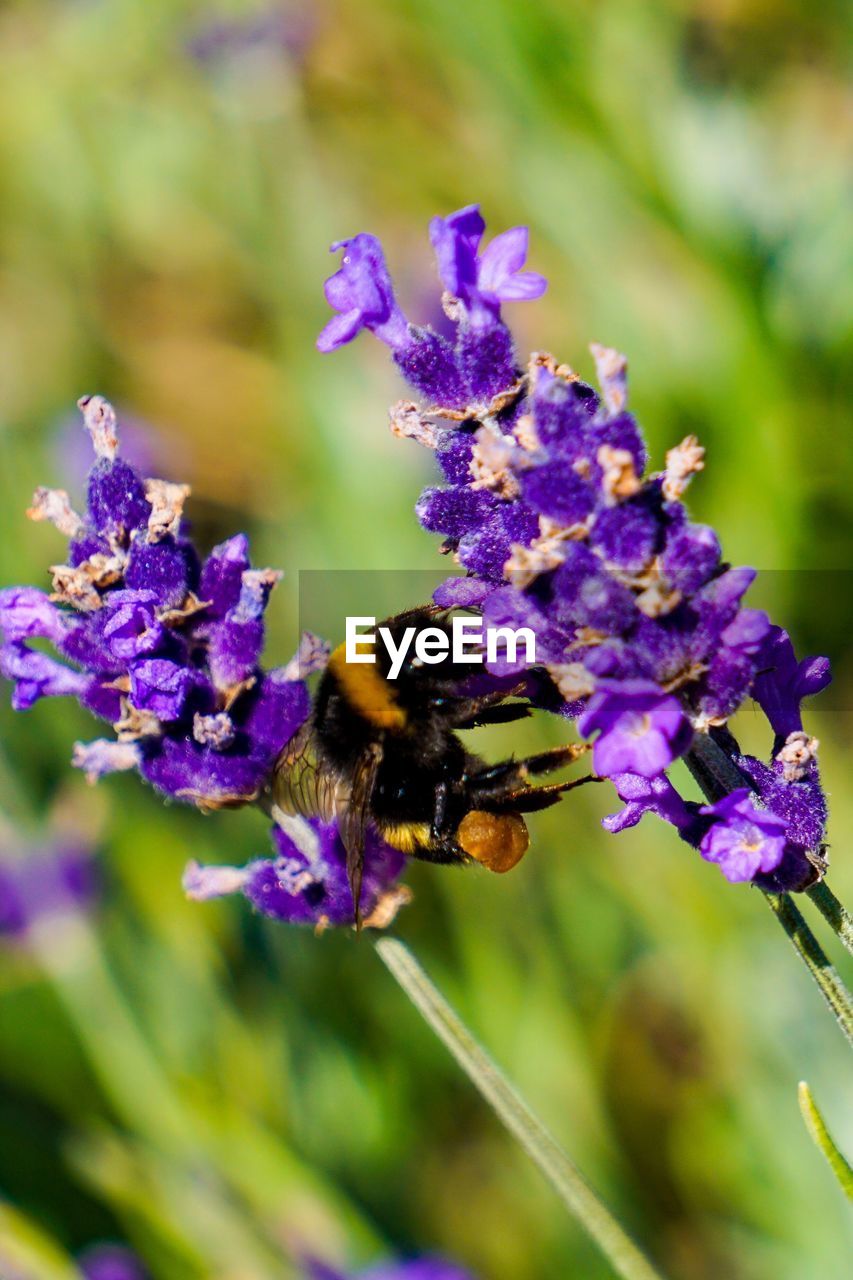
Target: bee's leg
(554, 758)
(505, 713)
(512, 773)
(439, 812)
(466, 713)
(531, 799)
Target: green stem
(824, 1141)
(832, 910)
(810, 952)
(514, 1113)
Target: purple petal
(362, 291)
(340, 330)
(26, 612)
(36, 675)
(505, 255)
(160, 686)
(221, 577)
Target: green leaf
(515, 1115)
(823, 1139)
(26, 1251)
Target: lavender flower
(111, 1262)
(480, 363)
(482, 283)
(548, 507)
(222, 41)
(159, 641)
(427, 1268)
(306, 882)
(362, 293)
(745, 839)
(166, 647)
(43, 882)
(642, 729)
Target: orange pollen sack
(497, 840)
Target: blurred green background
(221, 1092)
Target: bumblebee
(386, 752)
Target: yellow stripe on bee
(368, 692)
(408, 837)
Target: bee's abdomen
(366, 690)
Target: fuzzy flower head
(306, 881)
(547, 506)
(165, 646)
(479, 362)
(162, 645)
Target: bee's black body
(387, 752)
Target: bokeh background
(219, 1092)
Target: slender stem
(832, 910)
(808, 949)
(824, 1141)
(514, 1113)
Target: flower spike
(546, 504)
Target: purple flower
(362, 294)
(167, 649)
(163, 647)
(745, 838)
(426, 1268)
(479, 361)
(547, 503)
(27, 613)
(642, 730)
(161, 687)
(648, 795)
(456, 240)
(306, 882)
(483, 283)
(43, 882)
(111, 1262)
(782, 682)
(132, 628)
(36, 675)
(277, 30)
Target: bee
(386, 752)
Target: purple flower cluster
(272, 30)
(481, 363)
(306, 882)
(166, 648)
(111, 1262)
(548, 506)
(426, 1268)
(36, 884)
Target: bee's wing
(300, 785)
(353, 811)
